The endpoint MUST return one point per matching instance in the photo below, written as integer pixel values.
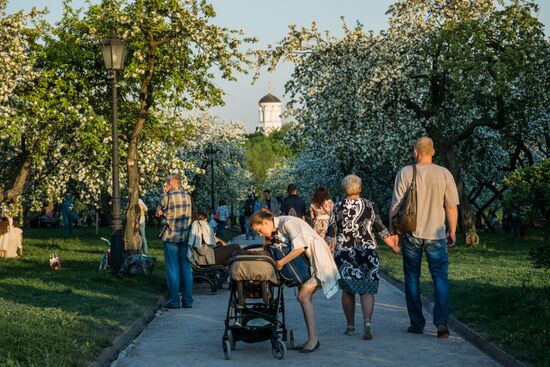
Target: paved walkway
(192, 337)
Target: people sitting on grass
(204, 247)
(11, 238)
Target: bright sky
(268, 21)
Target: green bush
(529, 191)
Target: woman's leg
(367, 305)
(348, 304)
(305, 296)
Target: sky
(268, 21)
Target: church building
(270, 111)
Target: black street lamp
(114, 53)
(211, 152)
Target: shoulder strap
(413, 183)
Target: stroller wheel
(232, 341)
(278, 349)
(226, 348)
(289, 338)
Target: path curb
(122, 341)
(465, 331)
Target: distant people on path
(70, 216)
(270, 203)
(292, 205)
(320, 211)
(437, 201)
(204, 247)
(175, 208)
(11, 238)
(353, 224)
(303, 240)
(250, 206)
(223, 216)
(142, 221)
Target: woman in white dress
(303, 240)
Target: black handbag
(404, 221)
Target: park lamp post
(114, 52)
(211, 152)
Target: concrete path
(193, 337)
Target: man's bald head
(424, 146)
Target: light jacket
(299, 234)
(202, 239)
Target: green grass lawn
(496, 291)
(67, 317)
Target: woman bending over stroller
(302, 240)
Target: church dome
(269, 98)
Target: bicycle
(105, 262)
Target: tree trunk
(132, 239)
(17, 184)
(466, 214)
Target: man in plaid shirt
(175, 208)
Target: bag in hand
(404, 221)
(294, 273)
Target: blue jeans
(179, 273)
(438, 263)
(221, 228)
(249, 232)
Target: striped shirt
(176, 206)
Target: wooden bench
(215, 275)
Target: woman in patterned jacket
(353, 221)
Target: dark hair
(222, 202)
(267, 191)
(4, 226)
(259, 217)
(200, 215)
(320, 196)
(291, 188)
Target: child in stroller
(256, 310)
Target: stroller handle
(263, 258)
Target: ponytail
(259, 217)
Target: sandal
(367, 333)
(350, 330)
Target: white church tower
(270, 114)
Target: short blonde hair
(351, 185)
(424, 146)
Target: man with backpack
(250, 206)
(292, 204)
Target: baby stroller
(256, 309)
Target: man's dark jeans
(438, 263)
(179, 274)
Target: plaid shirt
(176, 206)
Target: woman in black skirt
(354, 220)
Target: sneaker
(350, 330)
(367, 333)
(443, 331)
(413, 330)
